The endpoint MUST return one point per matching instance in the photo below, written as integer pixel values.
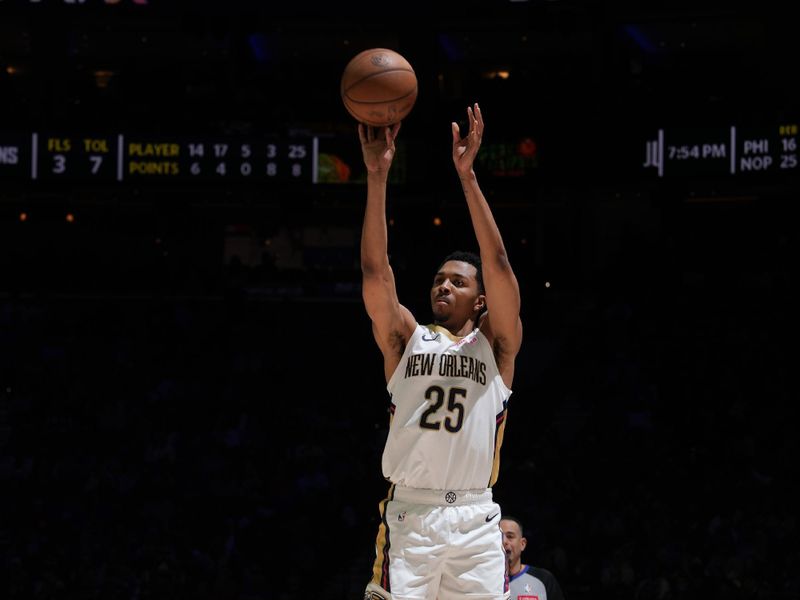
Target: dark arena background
(191, 403)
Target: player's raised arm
(501, 324)
(392, 323)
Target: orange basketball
(379, 87)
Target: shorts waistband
(441, 497)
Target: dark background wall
(192, 404)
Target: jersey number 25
(452, 421)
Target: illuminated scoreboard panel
(58, 156)
(724, 151)
(218, 159)
(53, 156)
(16, 155)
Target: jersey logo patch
(431, 338)
(465, 340)
(450, 497)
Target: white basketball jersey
(448, 413)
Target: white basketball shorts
(439, 545)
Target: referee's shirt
(532, 583)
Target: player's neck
(458, 330)
(515, 568)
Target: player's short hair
(471, 258)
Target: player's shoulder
(485, 324)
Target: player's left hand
(466, 149)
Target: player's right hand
(377, 146)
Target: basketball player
(449, 383)
(526, 582)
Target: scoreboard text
(724, 151)
(60, 157)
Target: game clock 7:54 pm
(732, 150)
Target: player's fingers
(456, 132)
(391, 134)
(362, 137)
(474, 125)
(479, 118)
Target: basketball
(378, 87)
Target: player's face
(455, 295)
(513, 542)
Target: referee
(525, 582)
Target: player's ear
(522, 543)
(480, 302)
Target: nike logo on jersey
(431, 338)
(490, 517)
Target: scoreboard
(740, 151)
(723, 151)
(141, 158)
